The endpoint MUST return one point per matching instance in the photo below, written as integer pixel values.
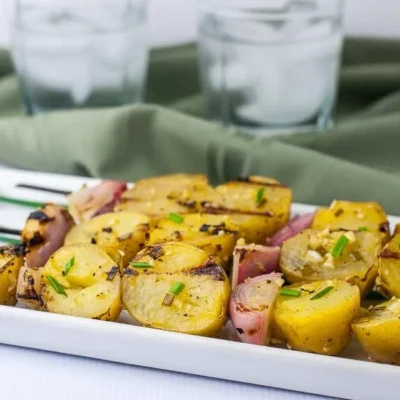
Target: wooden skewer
(9, 231)
(43, 189)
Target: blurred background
(174, 21)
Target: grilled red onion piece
(91, 201)
(251, 307)
(253, 260)
(44, 233)
(292, 228)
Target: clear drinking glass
(75, 54)
(270, 64)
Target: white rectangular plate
(349, 376)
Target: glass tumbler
(76, 54)
(270, 65)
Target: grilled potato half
(347, 215)
(378, 331)
(159, 196)
(123, 231)
(199, 307)
(259, 206)
(388, 280)
(83, 281)
(216, 234)
(319, 319)
(11, 261)
(308, 256)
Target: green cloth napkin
(358, 159)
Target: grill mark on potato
(384, 227)
(35, 240)
(248, 179)
(130, 272)
(111, 273)
(40, 216)
(209, 209)
(339, 212)
(188, 204)
(387, 253)
(210, 268)
(155, 252)
(107, 230)
(17, 250)
(93, 240)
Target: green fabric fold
(356, 160)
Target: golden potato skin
(123, 231)
(388, 280)
(378, 331)
(200, 309)
(358, 263)
(159, 196)
(11, 261)
(92, 286)
(320, 326)
(216, 234)
(257, 220)
(348, 215)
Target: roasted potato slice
(83, 281)
(11, 261)
(159, 196)
(201, 305)
(308, 257)
(388, 280)
(216, 234)
(317, 322)
(378, 331)
(259, 206)
(124, 231)
(348, 215)
(172, 186)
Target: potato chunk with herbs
(123, 231)
(316, 317)
(352, 216)
(216, 234)
(11, 261)
(83, 281)
(260, 206)
(378, 331)
(176, 287)
(314, 255)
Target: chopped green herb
(69, 265)
(175, 218)
(177, 288)
(140, 265)
(19, 202)
(322, 293)
(57, 286)
(362, 229)
(339, 246)
(259, 195)
(6, 239)
(290, 292)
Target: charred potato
(378, 331)
(308, 256)
(388, 281)
(216, 234)
(83, 281)
(159, 196)
(347, 215)
(124, 231)
(319, 319)
(200, 306)
(28, 287)
(11, 261)
(259, 206)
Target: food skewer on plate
(170, 249)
